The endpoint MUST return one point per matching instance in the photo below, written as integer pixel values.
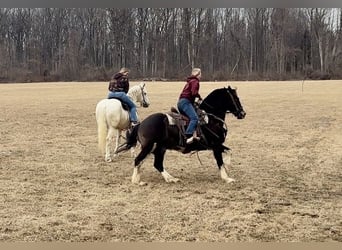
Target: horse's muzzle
(241, 114)
(145, 105)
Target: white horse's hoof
(108, 159)
(229, 180)
(139, 183)
(175, 180)
(169, 178)
(172, 179)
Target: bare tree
(86, 43)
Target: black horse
(159, 132)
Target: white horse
(112, 119)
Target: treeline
(87, 44)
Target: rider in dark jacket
(118, 88)
(119, 82)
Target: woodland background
(90, 44)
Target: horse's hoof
(229, 180)
(108, 159)
(176, 180)
(139, 183)
(172, 180)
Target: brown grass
(287, 158)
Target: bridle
(237, 108)
(144, 102)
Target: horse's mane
(213, 102)
(213, 96)
(135, 91)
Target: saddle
(182, 122)
(124, 105)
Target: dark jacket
(191, 89)
(119, 83)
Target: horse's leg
(136, 176)
(133, 153)
(109, 142)
(221, 165)
(138, 161)
(159, 153)
(117, 140)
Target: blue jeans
(131, 105)
(186, 108)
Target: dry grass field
(286, 160)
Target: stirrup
(133, 124)
(191, 139)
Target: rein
(214, 116)
(213, 133)
(218, 118)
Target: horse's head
(222, 101)
(138, 93)
(235, 104)
(145, 102)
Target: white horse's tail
(101, 126)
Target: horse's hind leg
(109, 142)
(117, 141)
(145, 150)
(159, 154)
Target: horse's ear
(229, 87)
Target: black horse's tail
(132, 136)
(131, 139)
